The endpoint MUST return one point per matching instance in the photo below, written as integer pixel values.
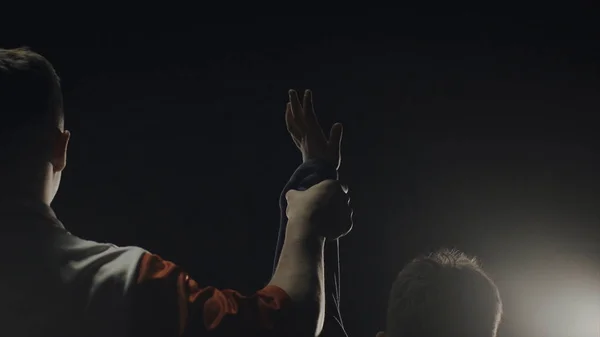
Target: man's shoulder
(84, 282)
(101, 261)
(105, 272)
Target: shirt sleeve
(167, 302)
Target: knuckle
(332, 185)
(289, 194)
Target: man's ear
(59, 153)
(380, 334)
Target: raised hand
(307, 134)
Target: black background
(466, 130)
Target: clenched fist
(323, 210)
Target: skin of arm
(300, 273)
(321, 212)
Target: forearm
(305, 176)
(300, 273)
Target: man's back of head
(444, 294)
(32, 138)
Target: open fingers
(297, 110)
(307, 106)
(291, 125)
(309, 112)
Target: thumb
(290, 195)
(335, 137)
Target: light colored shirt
(53, 283)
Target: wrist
(319, 160)
(302, 229)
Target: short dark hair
(30, 90)
(445, 293)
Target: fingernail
(307, 92)
(291, 92)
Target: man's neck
(20, 196)
(26, 207)
(24, 187)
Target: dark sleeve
(308, 174)
(167, 302)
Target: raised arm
(335, 221)
(166, 301)
(321, 159)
